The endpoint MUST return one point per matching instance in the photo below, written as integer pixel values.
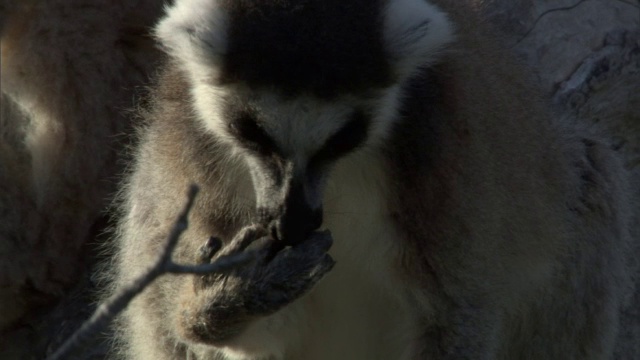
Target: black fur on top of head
(322, 47)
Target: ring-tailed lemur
(465, 221)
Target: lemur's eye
(252, 136)
(345, 140)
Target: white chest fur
(357, 311)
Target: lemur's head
(295, 85)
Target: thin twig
(114, 305)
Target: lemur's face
(341, 65)
(290, 145)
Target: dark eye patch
(343, 141)
(251, 135)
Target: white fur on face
(298, 126)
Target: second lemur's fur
(462, 219)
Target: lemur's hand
(223, 304)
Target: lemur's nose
(296, 224)
(296, 219)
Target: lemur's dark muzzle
(294, 219)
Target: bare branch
(114, 305)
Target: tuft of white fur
(195, 33)
(415, 32)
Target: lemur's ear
(194, 32)
(415, 32)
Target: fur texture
(470, 223)
(69, 69)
